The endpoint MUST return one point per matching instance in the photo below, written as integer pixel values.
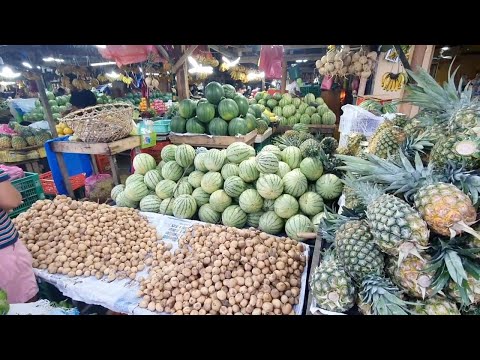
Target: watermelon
(298, 224)
(168, 152)
(282, 120)
(316, 220)
(302, 107)
(286, 206)
(292, 156)
(253, 219)
(201, 196)
(207, 214)
(205, 112)
(287, 96)
(319, 101)
(238, 152)
(311, 203)
(258, 96)
(123, 201)
(134, 177)
(295, 183)
(300, 128)
(267, 162)
(309, 98)
(219, 200)
(218, 127)
(184, 207)
(211, 182)
(310, 110)
(322, 109)
(136, 191)
(228, 109)
(277, 110)
(166, 207)
(234, 186)
(272, 103)
(214, 92)
(296, 102)
(329, 186)
(150, 203)
(257, 110)
(248, 171)
(237, 126)
(229, 170)
(152, 178)
(229, 91)
(283, 168)
(271, 223)
(305, 119)
(172, 171)
(182, 187)
(262, 102)
(329, 118)
(143, 162)
(270, 186)
(277, 96)
(199, 162)
(234, 216)
(195, 178)
(186, 108)
(251, 122)
(52, 103)
(195, 126)
(268, 205)
(214, 160)
(316, 119)
(242, 104)
(312, 168)
(288, 110)
(164, 189)
(116, 190)
(250, 201)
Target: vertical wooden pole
(283, 86)
(182, 77)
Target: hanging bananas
(393, 82)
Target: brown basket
(101, 123)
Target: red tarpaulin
(129, 54)
(270, 62)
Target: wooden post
(263, 84)
(283, 86)
(182, 78)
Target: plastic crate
(310, 89)
(162, 126)
(48, 184)
(31, 190)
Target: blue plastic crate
(162, 126)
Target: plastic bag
(14, 172)
(129, 54)
(327, 82)
(357, 119)
(98, 187)
(270, 62)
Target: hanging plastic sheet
(130, 54)
(271, 59)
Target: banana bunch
(393, 82)
(126, 79)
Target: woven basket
(101, 123)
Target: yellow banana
(385, 76)
(387, 81)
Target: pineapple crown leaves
(467, 181)
(367, 191)
(331, 222)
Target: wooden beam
(223, 50)
(183, 91)
(163, 52)
(295, 47)
(184, 57)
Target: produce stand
(29, 156)
(212, 141)
(323, 129)
(121, 295)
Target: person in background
(16, 272)
(60, 92)
(241, 89)
(82, 98)
(293, 88)
(193, 90)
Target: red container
(103, 164)
(49, 187)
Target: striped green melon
(309, 98)
(144, 162)
(250, 201)
(316, 119)
(254, 218)
(329, 186)
(274, 150)
(219, 200)
(296, 101)
(195, 178)
(166, 206)
(238, 152)
(207, 214)
(316, 220)
(305, 119)
(283, 169)
(252, 151)
(201, 196)
(286, 206)
(183, 187)
(234, 216)
(311, 203)
(234, 186)
(322, 109)
(298, 224)
(133, 178)
(271, 223)
(301, 108)
(267, 162)
(199, 162)
(248, 170)
(229, 170)
(160, 165)
(150, 203)
(164, 189)
(295, 183)
(329, 118)
(136, 191)
(310, 110)
(319, 101)
(123, 201)
(116, 190)
(172, 171)
(312, 168)
(268, 205)
(270, 186)
(152, 178)
(214, 160)
(277, 110)
(168, 152)
(211, 181)
(292, 156)
(184, 155)
(184, 207)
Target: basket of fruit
(101, 123)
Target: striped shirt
(8, 233)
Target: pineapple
(444, 150)
(41, 137)
(342, 151)
(329, 145)
(413, 128)
(18, 142)
(31, 140)
(332, 289)
(437, 305)
(412, 276)
(354, 141)
(356, 251)
(303, 136)
(468, 293)
(289, 138)
(310, 148)
(352, 201)
(400, 120)
(387, 141)
(5, 142)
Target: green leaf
(455, 266)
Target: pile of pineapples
(25, 137)
(403, 243)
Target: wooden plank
(183, 91)
(212, 141)
(316, 257)
(112, 148)
(224, 51)
(184, 57)
(93, 160)
(114, 168)
(262, 137)
(163, 52)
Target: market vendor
(82, 99)
(16, 272)
(293, 87)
